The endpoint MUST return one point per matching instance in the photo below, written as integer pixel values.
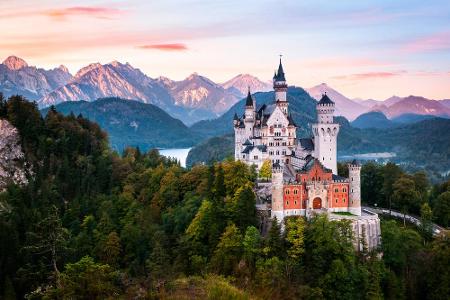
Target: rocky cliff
(13, 168)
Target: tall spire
(280, 73)
(249, 101)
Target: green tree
(251, 244)
(404, 195)
(228, 251)
(372, 184)
(442, 209)
(266, 169)
(295, 228)
(87, 279)
(49, 240)
(242, 208)
(273, 243)
(426, 222)
(391, 172)
(111, 250)
(421, 184)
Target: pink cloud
(165, 47)
(97, 12)
(370, 75)
(338, 62)
(433, 42)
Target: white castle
(304, 171)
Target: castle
(304, 171)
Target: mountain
(367, 102)
(132, 123)
(414, 105)
(411, 118)
(110, 80)
(373, 119)
(446, 102)
(199, 92)
(392, 100)
(17, 77)
(243, 82)
(344, 106)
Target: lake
(180, 154)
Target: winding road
(437, 230)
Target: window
(343, 200)
(295, 202)
(255, 157)
(336, 190)
(344, 190)
(287, 202)
(287, 192)
(295, 192)
(336, 200)
(352, 190)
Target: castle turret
(277, 192)
(249, 107)
(354, 176)
(325, 134)
(280, 87)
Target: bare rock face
(12, 162)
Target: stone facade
(304, 171)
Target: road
(411, 219)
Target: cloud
(97, 12)
(165, 47)
(340, 62)
(370, 75)
(433, 42)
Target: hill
(372, 119)
(413, 105)
(132, 123)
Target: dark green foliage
(132, 123)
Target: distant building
(304, 171)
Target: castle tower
(277, 192)
(238, 136)
(354, 193)
(325, 134)
(280, 87)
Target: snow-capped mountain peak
(243, 82)
(87, 69)
(15, 63)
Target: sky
(364, 49)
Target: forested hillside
(92, 224)
(132, 123)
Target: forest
(95, 224)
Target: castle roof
(311, 162)
(247, 149)
(307, 144)
(354, 162)
(247, 143)
(325, 100)
(338, 178)
(279, 75)
(249, 101)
